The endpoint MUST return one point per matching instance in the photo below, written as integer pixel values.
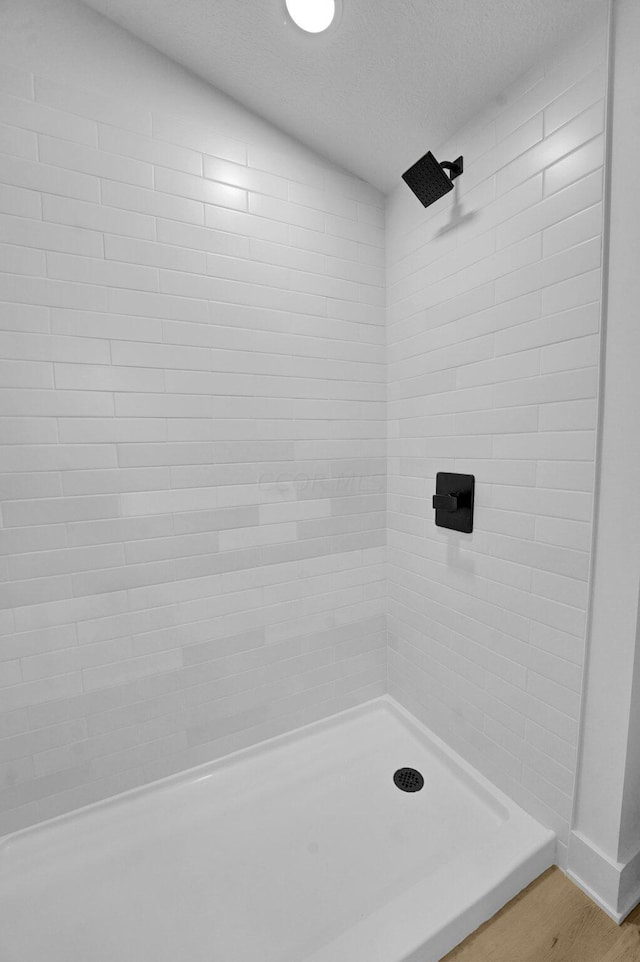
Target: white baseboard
(614, 886)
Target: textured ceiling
(395, 78)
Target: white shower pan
(301, 849)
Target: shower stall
(319, 599)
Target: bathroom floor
(552, 921)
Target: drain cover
(408, 780)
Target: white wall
(604, 854)
(493, 341)
(192, 390)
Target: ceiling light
(312, 16)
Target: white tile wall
(192, 398)
(192, 440)
(493, 340)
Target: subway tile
(246, 178)
(33, 538)
(51, 292)
(17, 172)
(149, 304)
(576, 385)
(87, 377)
(74, 659)
(125, 577)
(113, 480)
(248, 225)
(121, 672)
(151, 202)
(574, 230)
(289, 213)
(583, 289)
(54, 237)
(53, 348)
(91, 270)
(87, 324)
(27, 430)
(189, 237)
(560, 588)
(133, 145)
(577, 164)
(25, 374)
(130, 353)
(581, 353)
(574, 100)
(61, 153)
(580, 259)
(572, 477)
(74, 99)
(571, 534)
(154, 255)
(542, 332)
(120, 529)
(24, 317)
(202, 137)
(92, 216)
(34, 591)
(573, 200)
(578, 131)
(56, 510)
(68, 610)
(324, 200)
(43, 119)
(38, 403)
(18, 142)
(10, 673)
(161, 502)
(552, 746)
(35, 692)
(520, 365)
(47, 563)
(568, 415)
(19, 201)
(200, 188)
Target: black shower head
(427, 178)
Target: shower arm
(455, 167)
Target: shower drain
(408, 780)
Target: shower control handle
(453, 501)
(445, 502)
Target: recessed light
(313, 16)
